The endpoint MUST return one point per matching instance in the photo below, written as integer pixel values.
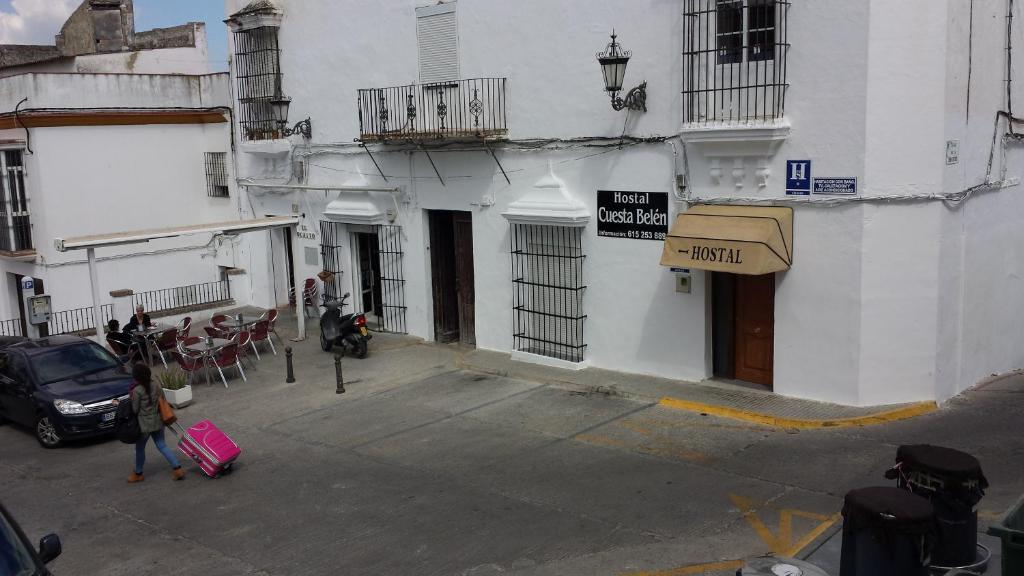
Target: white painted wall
(885, 302)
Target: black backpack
(126, 423)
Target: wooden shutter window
(438, 39)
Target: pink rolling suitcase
(210, 448)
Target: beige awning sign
(738, 239)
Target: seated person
(123, 341)
(139, 319)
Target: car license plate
(107, 417)
(362, 330)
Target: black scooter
(348, 331)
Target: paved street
(425, 467)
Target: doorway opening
(451, 264)
(283, 280)
(743, 327)
(368, 273)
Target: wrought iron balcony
(471, 109)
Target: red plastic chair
(272, 324)
(261, 333)
(309, 296)
(227, 357)
(218, 319)
(183, 327)
(167, 341)
(189, 364)
(215, 332)
(128, 353)
(243, 340)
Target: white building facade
(134, 136)
(465, 176)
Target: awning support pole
(374, 162)
(493, 155)
(94, 283)
(300, 299)
(434, 166)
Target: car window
(72, 361)
(13, 366)
(15, 559)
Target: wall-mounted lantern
(613, 65)
(279, 108)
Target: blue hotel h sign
(798, 177)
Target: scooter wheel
(361, 349)
(325, 344)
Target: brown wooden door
(464, 277)
(443, 276)
(755, 328)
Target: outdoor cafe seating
(227, 342)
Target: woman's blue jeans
(158, 439)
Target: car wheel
(46, 433)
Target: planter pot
(179, 398)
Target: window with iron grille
(15, 226)
(734, 62)
(258, 72)
(392, 279)
(331, 255)
(216, 174)
(547, 299)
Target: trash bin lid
(946, 462)
(780, 567)
(890, 508)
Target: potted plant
(176, 387)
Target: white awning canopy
(91, 243)
(138, 236)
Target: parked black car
(16, 553)
(63, 387)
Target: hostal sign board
(640, 215)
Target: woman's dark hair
(113, 325)
(143, 375)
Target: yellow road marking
(782, 544)
(780, 422)
(694, 569)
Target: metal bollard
(288, 360)
(337, 375)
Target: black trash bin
(886, 532)
(953, 482)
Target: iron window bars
(258, 72)
(392, 280)
(216, 174)
(547, 299)
(472, 108)
(734, 63)
(15, 226)
(331, 257)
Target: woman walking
(145, 398)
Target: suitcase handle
(176, 429)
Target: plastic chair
(183, 327)
(272, 324)
(309, 295)
(243, 339)
(261, 333)
(167, 341)
(215, 332)
(124, 353)
(190, 364)
(187, 341)
(227, 357)
(218, 319)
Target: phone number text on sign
(635, 215)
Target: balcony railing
(183, 296)
(461, 109)
(10, 327)
(78, 321)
